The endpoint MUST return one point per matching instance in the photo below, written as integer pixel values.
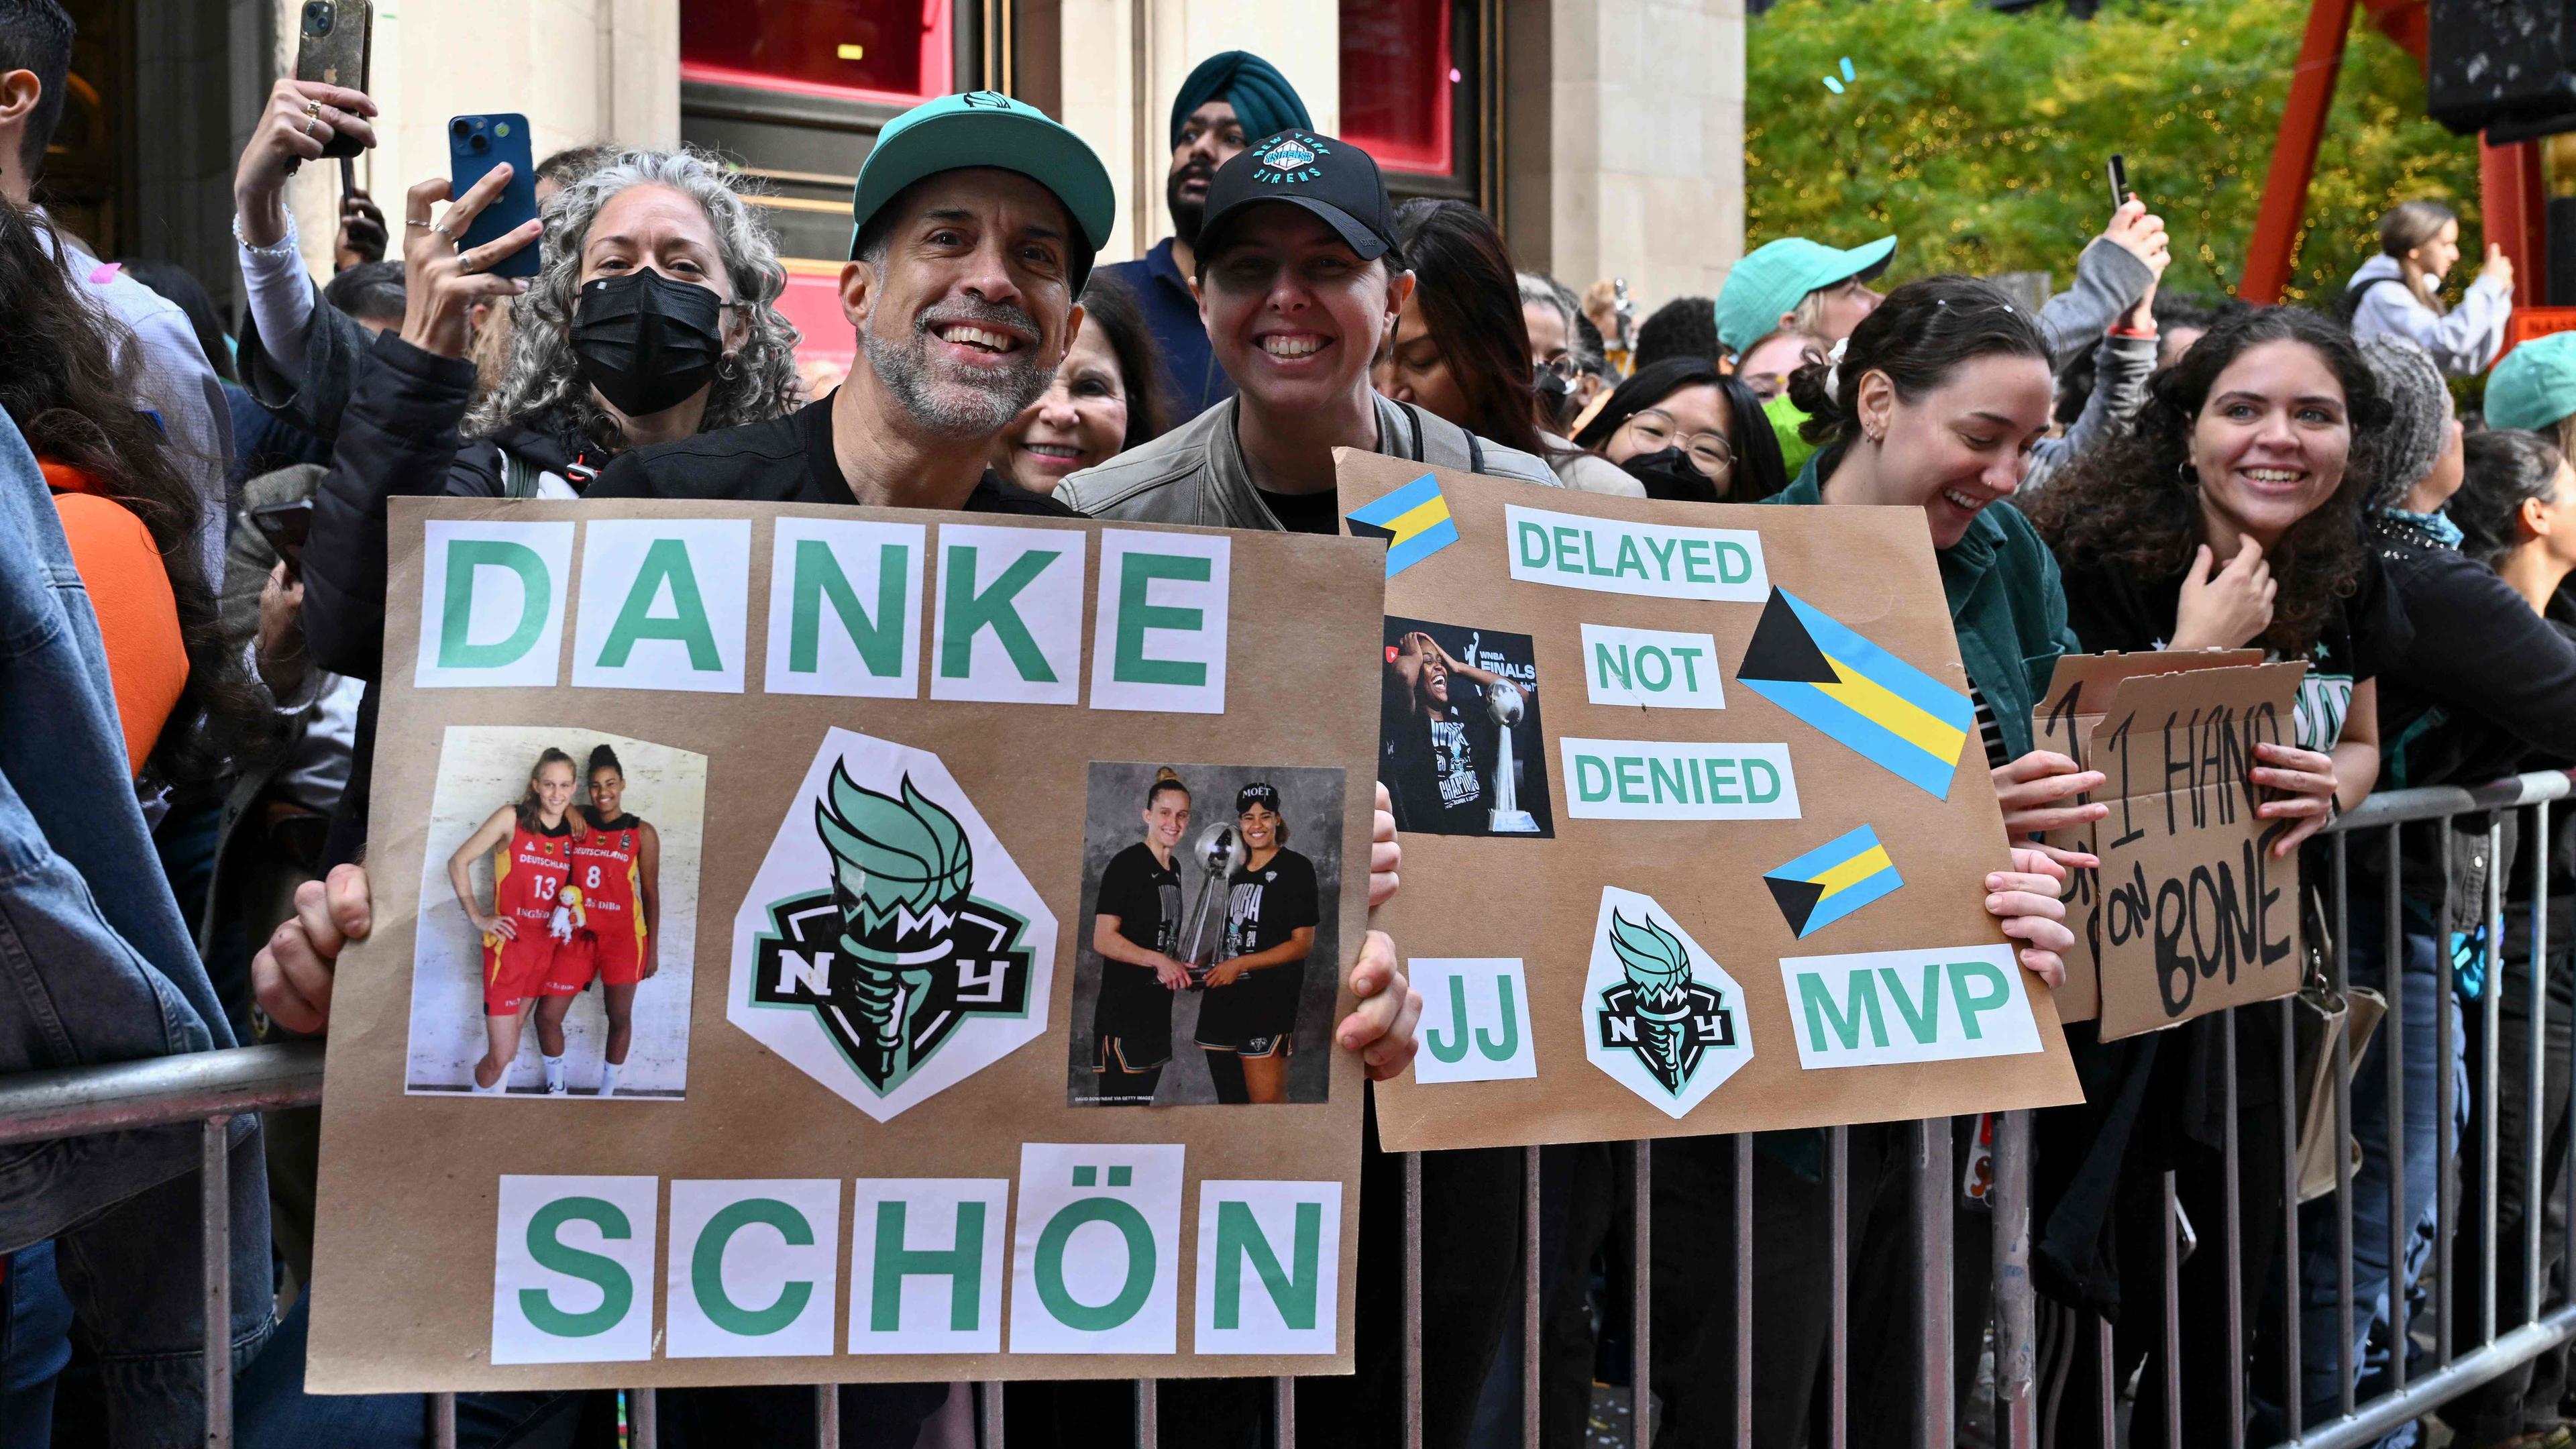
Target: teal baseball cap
(1774, 277)
(2535, 385)
(987, 128)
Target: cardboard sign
(859, 777)
(2079, 692)
(2197, 914)
(1732, 876)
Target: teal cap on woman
(2535, 385)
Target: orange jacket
(138, 616)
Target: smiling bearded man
(974, 223)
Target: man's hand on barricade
(291, 975)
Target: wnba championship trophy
(1503, 702)
(1221, 851)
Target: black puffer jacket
(398, 437)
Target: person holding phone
(2400, 290)
(650, 319)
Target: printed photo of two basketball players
(558, 916)
(1207, 951)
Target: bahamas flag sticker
(1832, 881)
(1414, 521)
(1867, 700)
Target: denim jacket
(96, 965)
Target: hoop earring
(2185, 477)
(730, 369)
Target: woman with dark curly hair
(131, 516)
(2230, 515)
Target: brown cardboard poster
(2198, 915)
(2079, 688)
(863, 772)
(1696, 821)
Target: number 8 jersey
(607, 864)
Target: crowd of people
(194, 574)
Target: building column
(1106, 45)
(1626, 142)
(582, 71)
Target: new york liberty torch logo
(904, 943)
(1667, 1021)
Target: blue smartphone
(476, 144)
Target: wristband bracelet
(2116, 330)
(284, 248)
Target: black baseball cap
(1259, 792)
(1331, 178)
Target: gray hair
(1540, 290)
(2401, 452)
(542, 374)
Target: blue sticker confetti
(1836, 86)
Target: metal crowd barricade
(212, 1088)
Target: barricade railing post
(2016, 1374)
(1413, 1300)
(2446, 1105)
(1743, 1289)
(2173, 1317)
(1641, 1254)
(827, 1416)
(2393, 1150)
(1283, 1413)
(2535, 1194)
(644, 1419)
(2289, 1088)
(1935, 1407)
(2338, 976)
(1529, 1297)
(2491, 1080)
(988, 1404)
(1838, 1337)
(2232, 1209)
(1149, 1432)
(442, 1421)
(215, 1238)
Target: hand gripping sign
(1758, 899)
(818, 805)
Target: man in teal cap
(1228, 99)
(2534, 387)
(974, 224)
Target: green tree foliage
(1980, 137)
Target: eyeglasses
(1709, 452)
(1562, 366)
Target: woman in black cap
(1271, 907)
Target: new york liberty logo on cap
(899, 951)
(1290, 158)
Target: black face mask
(645, 341)
(1671, 474)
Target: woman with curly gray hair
(650, 318)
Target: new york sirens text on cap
(1291, 158)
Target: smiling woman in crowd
(2228, 517)
(1108, 396)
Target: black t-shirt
(784, 460)
(1439, 770)
(1263, 908)
(2110, 609)
(1145, 895)
(1305, 512)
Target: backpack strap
(518, 475)
(1443, 443)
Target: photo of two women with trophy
(1204, 972)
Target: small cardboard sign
(1732, 876)
(2190, 912)
(869, 788)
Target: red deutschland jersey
(526, 873)
(608, 868)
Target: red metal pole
(2516, 202)
(2294, 155)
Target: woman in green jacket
(1934, 402)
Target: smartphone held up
(475, 145)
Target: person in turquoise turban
(1226, 100)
